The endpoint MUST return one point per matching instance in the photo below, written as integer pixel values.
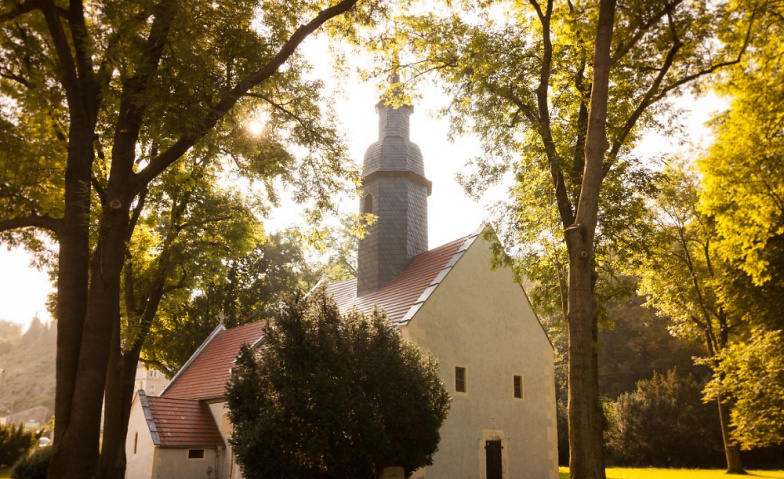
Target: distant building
(496, 360)
(31, 418)
(151, 381)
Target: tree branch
(712, 68)
(174, 152)
(33, 221)
(641, 30)
(99, 189)
(68, 74)
(18, 10)
(137, 211)
(8, 74)
(647, 99)
(304, 124)
(83, 52)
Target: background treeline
(28, 361)
(653, 395)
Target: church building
(495, 358)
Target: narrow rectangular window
(135, 442)
(460, 379)
(195, 453)
(518, 387)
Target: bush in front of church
(33, 466)
(330, 395)
(15, 442)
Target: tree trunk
(731, 450)
(120, 380)
(586, 459)
(72, 284)
(586, 455)
(82, 446)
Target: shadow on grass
(651, 473)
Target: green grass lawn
(650, 473)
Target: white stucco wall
(481, 320)
(140, 460)
(174, 464)
(228, 468)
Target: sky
(451, 214)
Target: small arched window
(367, 204)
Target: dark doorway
(493, 459)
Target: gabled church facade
(495, 358)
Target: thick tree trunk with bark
(72, 282)
(586, 460)
(102, 317)
(121, 375)
(119, 395)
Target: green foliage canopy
(240, 288)
(743, 171)
(331, 395)
(99, 101)
(518, 75)
(751, 375)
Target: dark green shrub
(34, 465)
(331, 395)
(14, 443)
(664, 423)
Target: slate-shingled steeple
(394, 188)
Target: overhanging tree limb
(166, 158)
(32, 221)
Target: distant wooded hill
(28, 364)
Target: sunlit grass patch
(651, 473)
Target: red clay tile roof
(402, 297)
(181, 423)
(206, 374)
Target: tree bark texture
(120, 380)
(586, 460)
(731, 450)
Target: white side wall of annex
(481, 319)
(140, 460)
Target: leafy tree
(330, 395)
(28, 379)
(239, 290)
(743, 170)
(751, 374)
(560, 107)
(15, 442)
(9, 330)
(99, 101)
(743, 176)
(680, 275)
(663, 423)
(188, 225)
